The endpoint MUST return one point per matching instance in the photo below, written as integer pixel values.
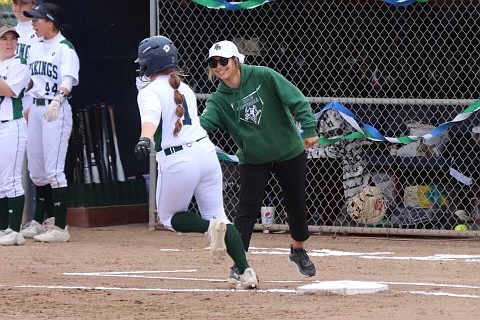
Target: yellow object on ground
(461, 227)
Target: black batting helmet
(156, 54)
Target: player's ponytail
(174, 80)
(65, 30)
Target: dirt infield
(128, 272)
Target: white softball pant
(13, 140)
(192, 171)
(47, 145)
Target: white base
(343, 287)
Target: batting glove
(51, 113)
(142, 149)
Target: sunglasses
(213, 62)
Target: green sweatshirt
(260, 114)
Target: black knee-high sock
(49, 202)
(3, 213)
(15, 208)
(40, 202)
(59, 207)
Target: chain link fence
(6, 14)
(403, 70)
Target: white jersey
(49, 61)
(157, 106)
(27, 38)
(193, 166)
(14, 72)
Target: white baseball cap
(476, 129)
(226, 49)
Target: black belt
(41, 102)
(169, 151)
(3, 121)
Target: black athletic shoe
(305, 266)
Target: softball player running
(54, 67)
(187, 162)
(14, 77)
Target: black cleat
(299, 257)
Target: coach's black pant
(253, 181)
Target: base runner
(187, 162)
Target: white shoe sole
(218, 247)
(44, 237)
(249, 285)
(50, 240)
(30, 235)
(233, 283)
(17, 241)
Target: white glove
(51, 113)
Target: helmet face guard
(156, 54)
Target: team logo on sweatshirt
(252, 114)
(250, 108)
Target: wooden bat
(106, 143)
(98, 144)
(87, 174)
(118, 161)
(75, 145)
(91, 150)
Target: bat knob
(142, 149)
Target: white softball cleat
(54, 234)
(248, 280)
(4, 232)
(50, 222)
(233, 278)
(34, 228)
(11, 238)
(31, 229)
(216, 234)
